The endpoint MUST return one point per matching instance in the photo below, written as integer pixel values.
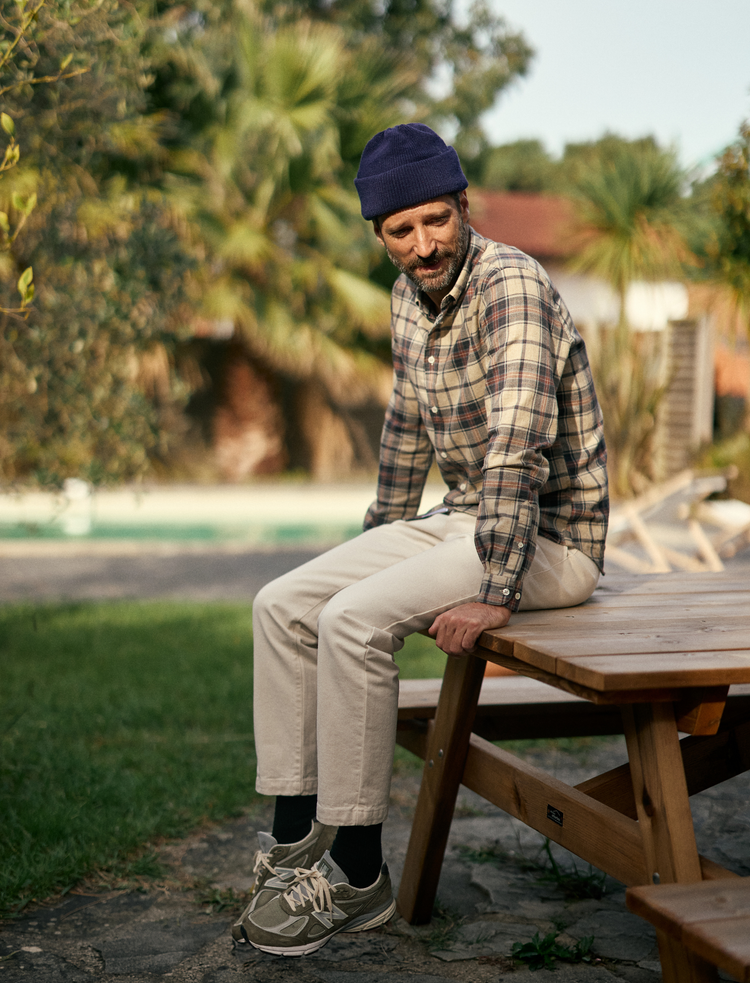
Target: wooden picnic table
(665, 649)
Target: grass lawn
(121, 723)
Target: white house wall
(649, 306)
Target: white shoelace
(310, 885)
(261, 860)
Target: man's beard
(446, 278)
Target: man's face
(428, 242)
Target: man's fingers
(457, 631)
(450, 638)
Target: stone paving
(496, 889)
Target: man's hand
(456, 631)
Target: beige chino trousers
(326, 683)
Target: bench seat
(710, 919)
(518, 708)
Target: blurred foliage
(524, 165)
(527, 165)
(733, 452)
(632, 226)
(85, 381)
(460, 62)
(642, 217)
(163, 164)
(632, 216)
(728, 248)
(194, 161)
(267, 195)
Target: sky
(676, 69)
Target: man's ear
(464, 202)
(378, 233)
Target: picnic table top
(638, 633)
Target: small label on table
(555, 815)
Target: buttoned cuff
(506, 595)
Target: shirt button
(506, 591)
(443, 454)
(433, 409)
(521, 545)
(431, 359)
(462, 486)
(518, 597)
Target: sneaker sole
(369, 921)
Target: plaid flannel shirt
(497, 388)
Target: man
(491, 379)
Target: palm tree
(270, 196)
(630, 210)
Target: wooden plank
(589, 829)
(660, 792)
(724, 943)
(715, 872)
(699, 712)
(613, 601)
(614, 788)
(444, 767)
(656, 608)
(664, 820)
(707, 761)
(544, 650)
(515, 708)
(712, 918)
(723, 619)
(678, 583)
(680, 965)
(527, 668)
(656, 669)
(419, 697)
(668, 906)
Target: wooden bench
(665, 650)
(510, 708)
(711, 919)
(518, 708)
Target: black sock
(358, 853)
(293, 818)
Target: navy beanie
(404, 166)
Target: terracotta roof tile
(540, 225)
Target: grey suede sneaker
(319, 904)
(275, 866)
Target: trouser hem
(286, 788)
(351, 817)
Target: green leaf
(24, 282)
(7, 124)
(66, 61)
(4, 223)
(30, 204)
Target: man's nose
(424, 245)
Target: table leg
(665, 820)
(444, 766)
